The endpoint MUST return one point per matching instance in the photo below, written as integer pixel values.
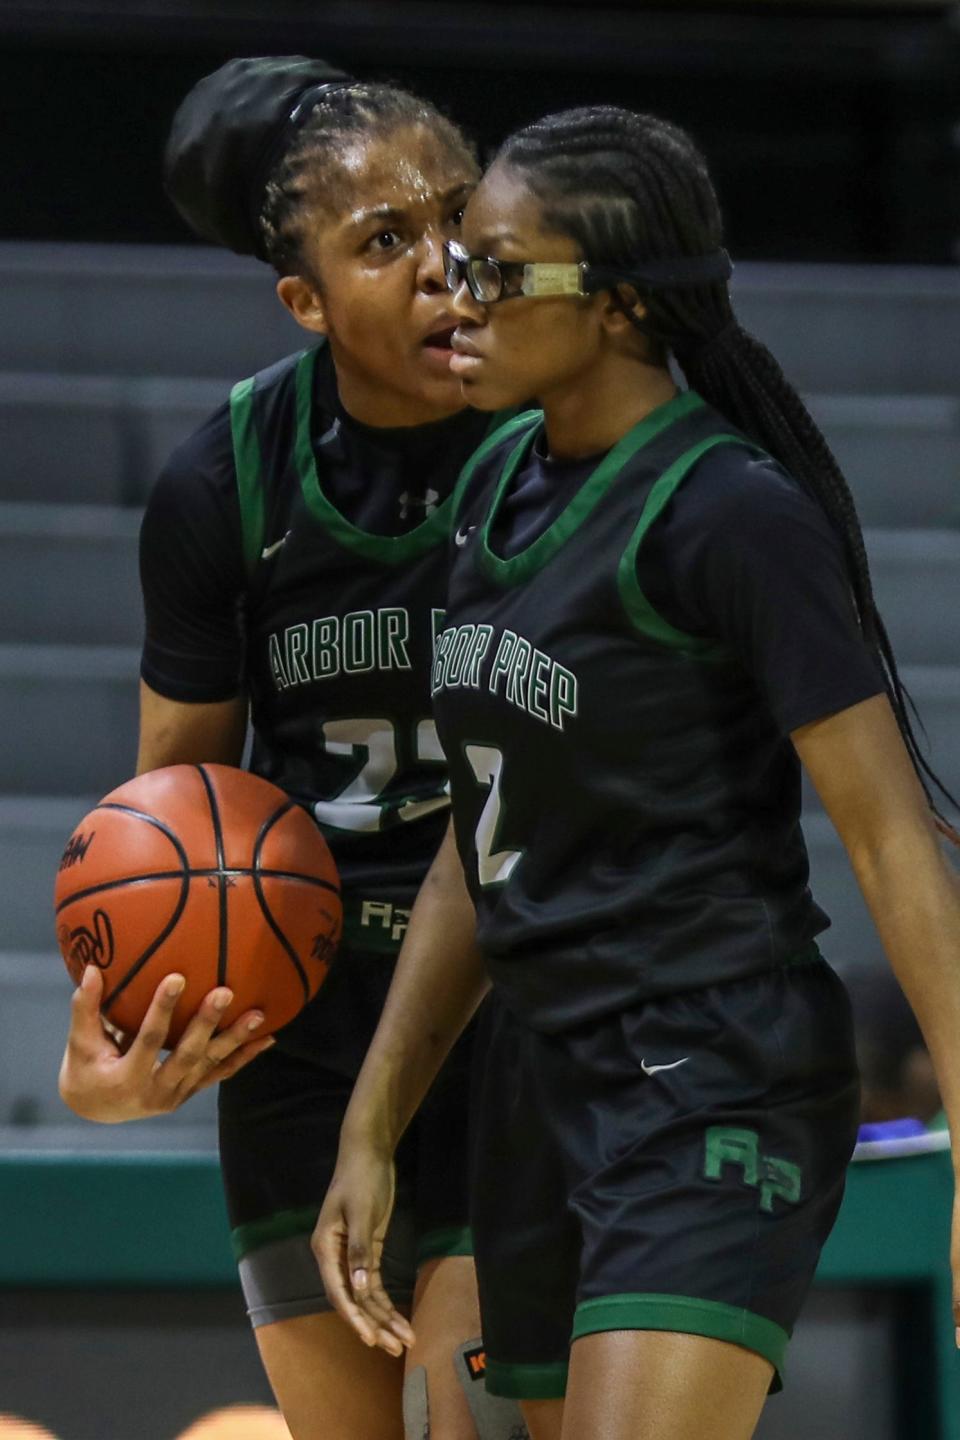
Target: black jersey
(626, 806)
(335, 623)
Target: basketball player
(294, 560)
(658, 602)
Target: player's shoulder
(205, 462)
(738, 484)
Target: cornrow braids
(309, 172)
(632, 187)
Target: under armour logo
(427, 503)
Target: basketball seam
(191, 875)
(186, 874)
(291, 954)
(221, 878)
(172, 923)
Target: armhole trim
(501, 429)
(640, 612)
(249, 465)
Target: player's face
(386, 309)
(520, 348)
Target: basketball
(206, 871)
(13, 1428)
(239, 1422)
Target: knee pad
(495, 1417)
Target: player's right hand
(102, 1080)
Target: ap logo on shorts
(776, 1178)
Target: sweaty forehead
(401, 172)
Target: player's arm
(193, 711)
(764, 563)
(864, 776)
(173, 732)
(439, 982)
(99, 1079)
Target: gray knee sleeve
(494, 1417)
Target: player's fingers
(393, 1330)
(237, 1061)
(330, 1251)
(368, 1291)
(86, 1029)
(148, 1041)
(193, 1056)
(223, 1045)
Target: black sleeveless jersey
(625, 806)
(339, 631)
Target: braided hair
(631, 187)
(309, 171)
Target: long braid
(309, 172)
(630, 187)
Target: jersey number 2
(493, 867)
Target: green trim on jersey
(520, 567)
(249, 463)
(499, 430)
(387, 549)
(687, 1315)
(638, 607)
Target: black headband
(281, 141)
(230, 132)
(679, 272)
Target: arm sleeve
(191, 572)
(743, 554)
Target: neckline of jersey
(535, 555)
(388, 549)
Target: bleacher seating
(110, 355)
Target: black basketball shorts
(280, 1123)
(677, 1166)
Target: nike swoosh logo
(652, 1069)
(462, 536)
(272, 549)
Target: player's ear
(622, 307)
(305, 303)
(617, 303)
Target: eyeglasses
(490, 281)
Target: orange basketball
(13, 1428)
(207, 871)
(238, 1422)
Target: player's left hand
(348, 1245)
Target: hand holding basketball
(206, 872)
(99, 1081)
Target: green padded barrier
(893, 1232)
(143, 1220)
(158, 1220)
